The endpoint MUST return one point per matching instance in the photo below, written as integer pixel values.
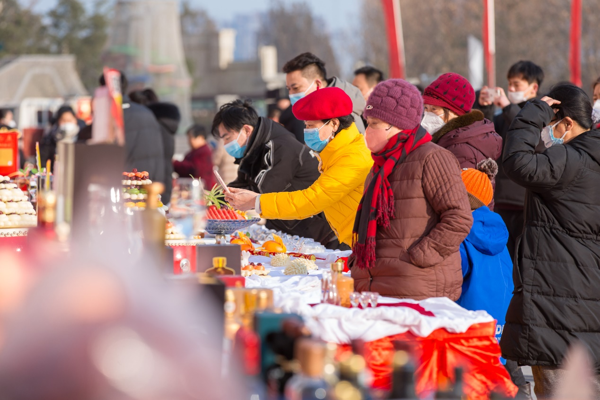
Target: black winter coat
(168, 118)
(276, 162)
(557, 268)
(143, 141)
(507, 193)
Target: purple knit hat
(396, 102)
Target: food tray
(228, 226)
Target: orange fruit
(274, 246)
(244, 242)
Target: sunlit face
(360, 81)
(295, 82)
(596, 95)
(437, 110)
(326, 128)
(67, 118)
(196, 142)
(378, 133)
(229, 136)
(518, 84)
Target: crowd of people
(485, 197)
(488, 197)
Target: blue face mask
(549, 138)
(297, 96)
(312, 139)
(234, 149)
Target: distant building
(38, 76)
(218, 78)
(145, 42)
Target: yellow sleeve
(333, 184)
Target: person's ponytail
(574, 103)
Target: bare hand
(484, 97)
(241, 199)
(550, 101)
(501, 100)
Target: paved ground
(529, 378)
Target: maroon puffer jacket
(471, 138)
(418, 256)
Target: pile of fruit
(218, 209)
(134, 194)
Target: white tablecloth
(299, 294)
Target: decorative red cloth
(323, 104)
(476, 351)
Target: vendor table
(444, 335)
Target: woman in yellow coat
(344, 164)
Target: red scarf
(376, 207)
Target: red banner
(393, 25)
(489, 41)
(575, 45)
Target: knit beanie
(479, 183)
(396, 102)
(450, 91)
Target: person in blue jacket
(486, 263)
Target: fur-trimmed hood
(459, 122)
(471, 138)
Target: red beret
(323, 104)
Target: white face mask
(516, 97)
(597, 105)
(432, 122)
(12, 124)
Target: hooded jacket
(168, 118)
(275, 161)
(358, 101)
(487, 267)
(418, 257)
(471, 138)
(557, 266)
(345, 164)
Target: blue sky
(339, 14)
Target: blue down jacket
(487, 267)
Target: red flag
(575, 48)
(393, 25)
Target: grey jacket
(143, 141)
(358, 101)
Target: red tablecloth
(476, 351)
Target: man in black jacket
(270, 160)
(524, 81)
